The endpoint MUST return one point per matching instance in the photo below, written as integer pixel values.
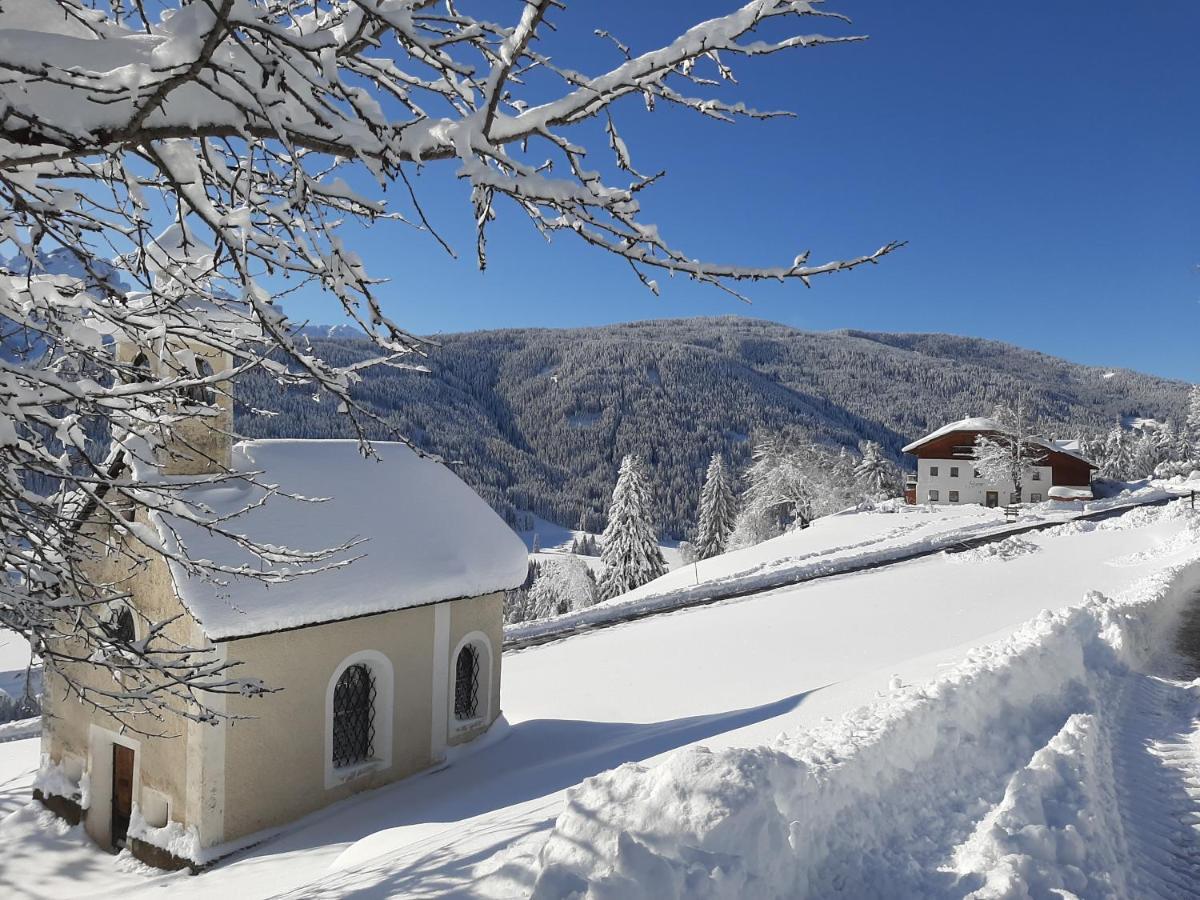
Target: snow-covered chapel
(377, 667)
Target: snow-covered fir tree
(631, 555)
(876, 475)
(1147, 453)
(1191, 424)
(718, 509)
(1119, 459)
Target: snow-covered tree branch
(169, 172)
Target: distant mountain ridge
(538, 419)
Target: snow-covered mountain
(331, 332)
(62, 261)
(540, 418)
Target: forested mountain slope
(540, 418)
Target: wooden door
(122, 793)
(993, 498)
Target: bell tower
(197, 439)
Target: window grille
(466, 683)
(1035, 498)
(954, 471)
(954, 496)
(353, 717)
(933, 470)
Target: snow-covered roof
(982, 423)
(975, 423)
(1070, 448)
(426, 535)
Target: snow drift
(920, 793)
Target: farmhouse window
(353, 716)
(933, 470)
(466, 683)
(933, 496)
(1037, 475)
(954, 471)
(954, 496)
(1035, 498)
(976, 473)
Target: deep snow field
(913, 766)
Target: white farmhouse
(380, 665)
(946, 473)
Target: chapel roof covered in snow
(424, 537)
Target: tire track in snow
(1156, 765)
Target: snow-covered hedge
(868, 806)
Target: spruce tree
(631, 555)
(1118, 455)
(718, 510)
(876, 475)
(1192, 425)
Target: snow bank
(1050, 833)
(53, 780)
(18, 729)
(1009, 548)
(873, 805)
(833, 545)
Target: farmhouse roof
(984, 424)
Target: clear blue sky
(1042, 161)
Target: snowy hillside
(540, 418)
(1043, 729)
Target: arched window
(353, 716)
(201, 393)
(466, 683)
(120, 627)
(139, 369)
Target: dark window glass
(466, 683)
(201, 393)
(139, 369)
(353, 716)
(120, 629)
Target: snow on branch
(169, 172)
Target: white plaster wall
(971, 489)
(275, 759)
